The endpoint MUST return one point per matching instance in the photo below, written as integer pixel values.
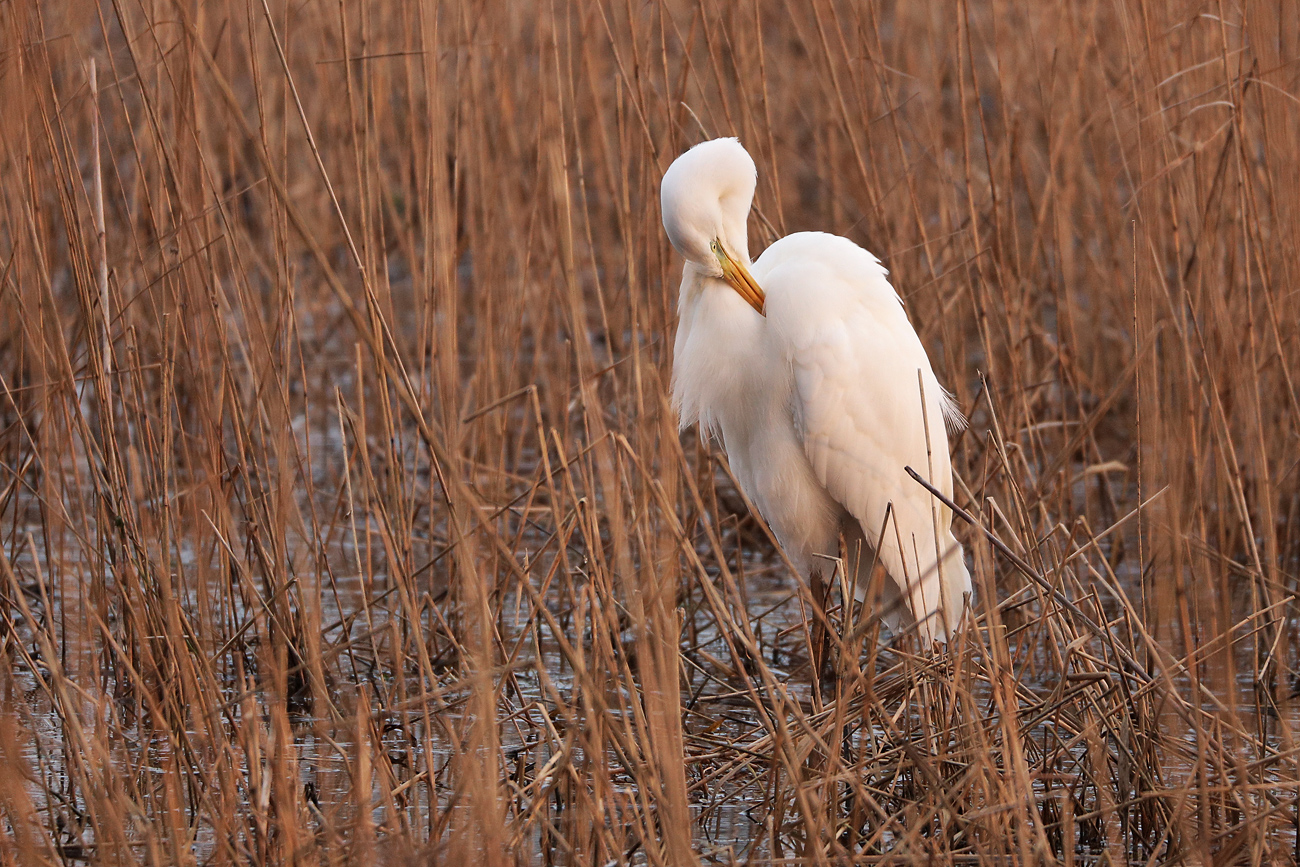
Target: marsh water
(731, 803)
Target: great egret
(805, 362)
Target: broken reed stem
(101, 234)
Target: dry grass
(344, 519)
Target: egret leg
(823, 670)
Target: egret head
(706, 195)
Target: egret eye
(716, 247)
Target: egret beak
(739, 278)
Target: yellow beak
(739, 278)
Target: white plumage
(805, 364)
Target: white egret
(806, 365)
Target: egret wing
(864, 395)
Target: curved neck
(707, 295)
(735, 234)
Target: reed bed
(345, 520)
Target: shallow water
(731, 802)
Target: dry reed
(344, 519)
